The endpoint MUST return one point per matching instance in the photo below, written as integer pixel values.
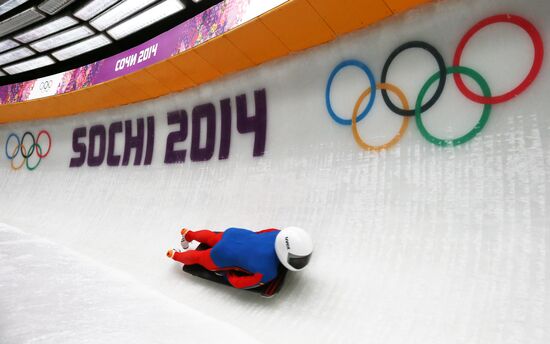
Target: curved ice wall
(415, 243)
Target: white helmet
(294, 247)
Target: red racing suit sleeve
(242, 282)
(267, 230)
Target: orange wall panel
(22, 111)
(348, 15)
(78, 101)
(103, 97)
(30, 110)
(5, 113)
(118, 98)
(48, 107)
(128, 90)
(121, 98)
(147, 83)
(170, 76)
(221, 53)
(195, 67)
(70, 102)
(297, 25)
(257, 42)
(10, 110)
(42, 108)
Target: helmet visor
(298, 262)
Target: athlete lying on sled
(248, 259)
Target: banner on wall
(192, 135)
(46, 86)
(209, 24)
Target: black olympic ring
(31, 149)
(442, 76)
(26, 154)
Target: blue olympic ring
(372, 81)
(18, 145)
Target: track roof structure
(43, 37)
(277, 30)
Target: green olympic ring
(477, 128)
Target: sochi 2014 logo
(419, 107)
(27, 149)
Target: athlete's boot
(184, 242)
(171, 252)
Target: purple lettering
(207, 111)
(172, 155)
(150, 140)
(112, 159)
(225, 139)
(257, 123)
(133, 142)
(96, 132)
(78, 147)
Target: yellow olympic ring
(23, 152)
(404, 124)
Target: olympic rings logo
(14, 146)
(487, 99)
(45, 85)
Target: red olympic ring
(537, 61)
(40, 155)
